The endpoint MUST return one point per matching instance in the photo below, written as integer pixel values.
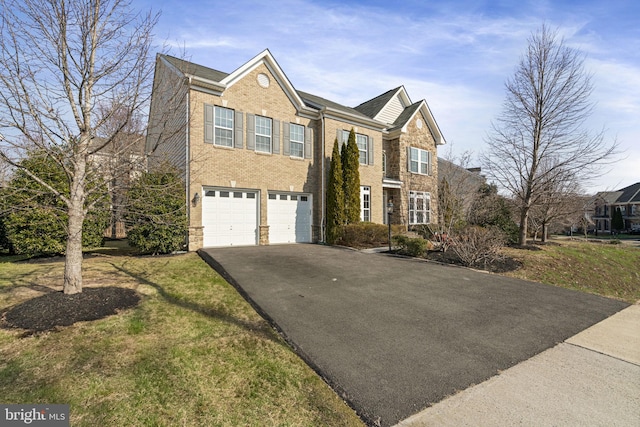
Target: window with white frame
(419, 161)
(363, 143)
(296, 136)
(365, 203)
(263, 134)
(223, 127)
(419, 207)
(384, 163)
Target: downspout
(187, 160)
(322, 191)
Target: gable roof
(629, 194)
(189, 68)
(210, 79)
(392, 103)
(319, 103)
(373, 106)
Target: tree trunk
(522, 237)
(73, 258)
(545, 231)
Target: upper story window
(384, 164)
(296, 135)
(223, 127)
(419, 161)
(219, 126)
(263, 134)
(364, 143)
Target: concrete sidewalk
(592, 378)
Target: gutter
(323, 190)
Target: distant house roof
(630, 194)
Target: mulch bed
(503, 265)
(55, 309)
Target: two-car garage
(231, 217)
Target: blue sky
(454, 54)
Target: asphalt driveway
(395, 335)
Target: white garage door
(289, 217)
(229, 217)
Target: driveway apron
(395, 335)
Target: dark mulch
(52, 310)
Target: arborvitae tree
(156, 215)
(617, 222)
(36, 218)
(335, 196)
(351, 177)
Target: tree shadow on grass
(259, 328)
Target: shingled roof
(405, 116)
(630, 194)
(191, 68)
(316, 101)
(373, 106)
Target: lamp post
(389, 213)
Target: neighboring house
(256, 152)
(120, 161)
(606, 203)
(464, 183)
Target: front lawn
(611, 270)
(192, 353)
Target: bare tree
(557, 201)
(542, 123)
(59, 62)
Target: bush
(364, 235)
(156, 215)
(412, 246)
(478, 246)
(36, 219)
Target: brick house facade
(255, 152)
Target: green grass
(599, 268)
(193, 353)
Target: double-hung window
(419, 207)
(263, 134)
(223, 127)
(296, 136)
(363, 143)
(419, 161)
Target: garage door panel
(289, 218)
(230, 217)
